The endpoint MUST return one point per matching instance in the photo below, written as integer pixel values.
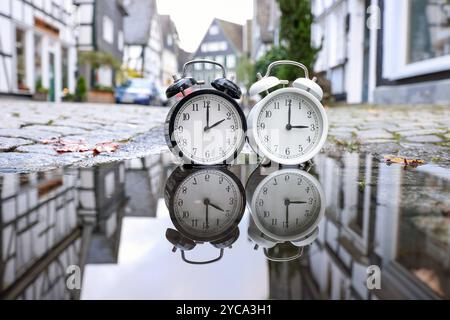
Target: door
(52, 94)
(366, 57)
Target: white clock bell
(289, 126)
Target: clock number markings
(269, 120)
(205, 148)
(215, 216)
(292, 212)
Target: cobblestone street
(410, 131)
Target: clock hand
(299, 127)
(289, 126)
(297, 202)
(287, 203)
(207, 114)
(214, 125)
(206, 202)
(216, 207)
(289, 113)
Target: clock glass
(290, 126)
(208, 203)
(208, 127)
(288, 204)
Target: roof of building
(137, 24)
(168, 27)
(233, 32)
(183, 57)
(264, 17)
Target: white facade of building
(37, 42)
(153, 53)
(169, 66)
(387, 52)
(339, 28)
(144, 40)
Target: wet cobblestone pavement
(409, 131)
(114, 214)
(24, 127)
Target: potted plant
(81, 90)
(101, 94)
(41, 93)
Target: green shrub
(81, 90)
(101, 88)
(40, 88)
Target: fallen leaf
(73, 148)
(404, 161)
(66, 146)
(107, 147)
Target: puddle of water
(139, 229)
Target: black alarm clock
(205, 205)
(207, 126)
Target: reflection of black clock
(286, 206)
(205, 205)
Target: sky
(148, 269)
(192, 18)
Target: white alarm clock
(288, 126)
(207, 126)
(286, 206)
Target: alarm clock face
(288, 204)
(207, 127)
(291, 126)
(207, 204)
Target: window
(220, 59)
(214, 46)
(416, 39)
(38, 57)
(120, 40)
(429, 30)
(198, 66)
(214, 30)
(65, 70)
(169, 40)
(20, 59)
(208, 66)
(108, 30)
(231, 61)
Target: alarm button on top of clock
(309, 86)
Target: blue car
(140, 91)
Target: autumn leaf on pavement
(66, 146)
(404, 161)
(107, 147)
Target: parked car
(140, 91)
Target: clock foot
(266, 162)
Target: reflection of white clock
(286, 205)
(205, 204)
(289, 126)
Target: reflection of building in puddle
(40, 234)
(52, 220)
(144, 180)
(381, 215)
(102, 204)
